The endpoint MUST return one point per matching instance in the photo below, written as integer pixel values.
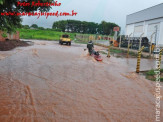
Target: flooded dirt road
(52, 83)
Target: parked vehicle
(65, 39)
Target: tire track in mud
(30, 97)
(60, 92)
(20, 97)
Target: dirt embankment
(11, 44)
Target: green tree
(77, 26)
(34, 26)
(61, 25)
(25, 26)
(41, 28)
(106, 28)
(10, 23)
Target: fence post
(128, 50)
(109, 51)
(150, 48)
(160, 55)
(138, 60)
(128, 45)
(113, 41)
(140, 40)
(120, 41)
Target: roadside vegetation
(150, 75)
(46, 34)
(122, 53)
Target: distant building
(13, 36)
(147, 21)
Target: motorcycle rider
(90, 47)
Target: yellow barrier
(138, 60)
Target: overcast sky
(95, 11)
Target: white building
(148, 21)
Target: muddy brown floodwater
(47, 82)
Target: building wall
(13, 36)
(148, 28)
(161, 35)
(129, 29)
(146, 14)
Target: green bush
(4, 35)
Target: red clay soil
(48, 82)
(11, 44)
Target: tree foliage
(34, 26)
(104, 28)
(41, 28)
(9, 23)
(25, 26)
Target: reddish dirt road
(52, 83)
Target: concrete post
(140, 40)
(150, 48)
(128, 45)
(113, 41)
(120, 41)
(109, 51)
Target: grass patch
(123, 53)
(42, 34)
(80, 42)
(116, 51)
(150, 75)
(151, 72)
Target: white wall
(161, 35)
(129, 30)
(152, 29)
(138, 30)
(148, 28)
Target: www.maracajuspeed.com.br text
(38, 14)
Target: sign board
(116, 29)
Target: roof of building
(146, 14)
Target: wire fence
(131, 43)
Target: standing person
(90, 47)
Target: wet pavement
(48, 82)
